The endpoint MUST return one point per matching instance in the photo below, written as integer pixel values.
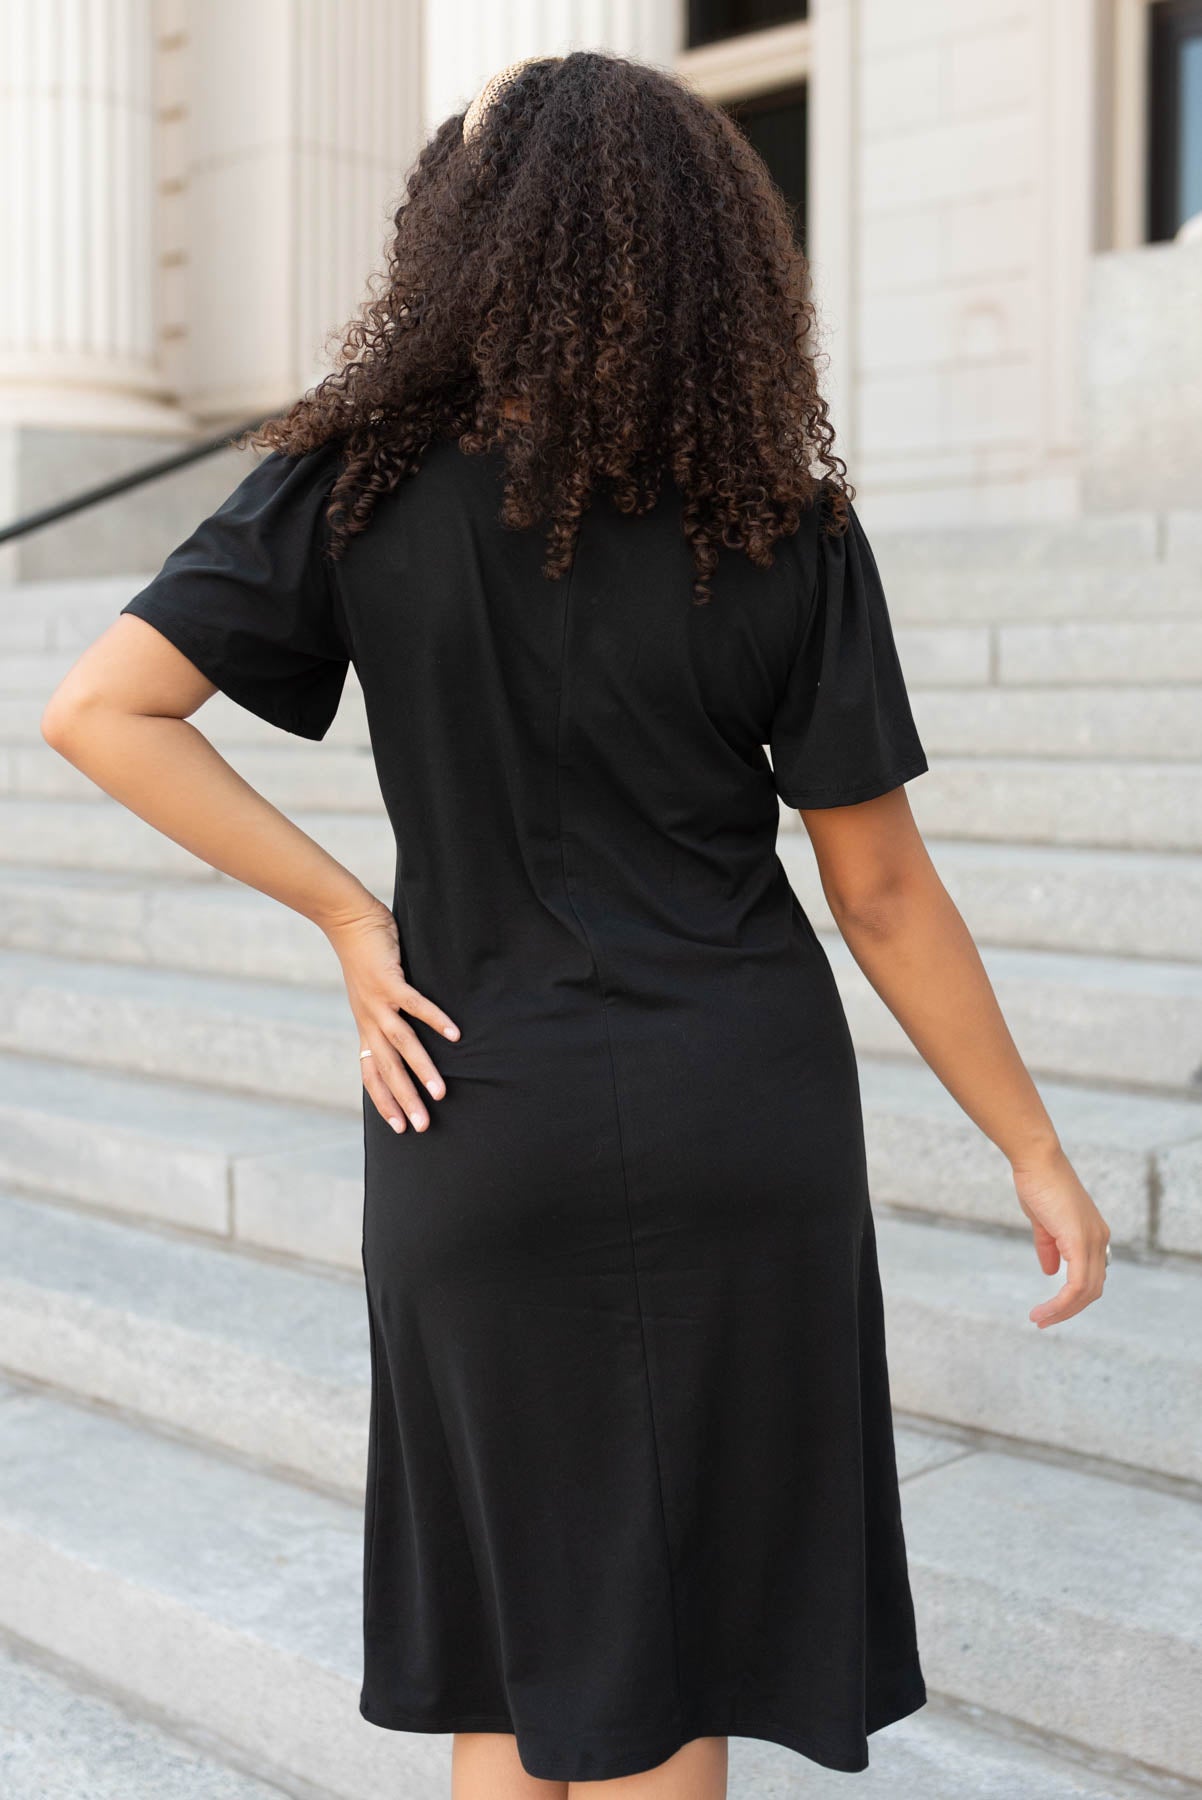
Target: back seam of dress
(613, 1073)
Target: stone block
(200, 1589)
(1142, 379)
(1067, 1601)
(266, 1361)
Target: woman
(570, 506)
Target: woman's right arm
(120, 715)
(907, 935)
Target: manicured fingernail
(420, 1121)
(436, 1088)
(397, 1124)
(451, 1031)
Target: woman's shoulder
(823, 522)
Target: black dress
(632, 1476)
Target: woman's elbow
(57, 716)
(878, 908)
(71, 717)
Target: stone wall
(1142, 378)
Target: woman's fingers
(380, 1096)
(411, 1001)
(378, 998)
(406, 1042)
(388, 1084)
(1066, 1224)
(1086, 1260)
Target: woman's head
(605, 248)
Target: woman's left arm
(121, 716)
(907, 935)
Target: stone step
(215, 1594)
(290, 1179)
(32, 674)
(1037, 896)
(267, 1038)
(1113, 723)
(1101, 564)
(939, 1753)
(1041, 800)
(1116, 806)
(270, 1362)
(1064, 1599)
(273, 1362)
(204, 1588)
(995, 594)
(1096, 567)
(1105, 655)
(946, 654)
(49, 616)
(1098, 542)
(60, 1743)
(1144, 650)
(219, 718)
(1034, 896)
(1139, 1155)
(260, 1172)
(27, 680)
(1133, 1022)
(1092, 1019)
(1102, 724)
(1113, 689)
(295, 773)
(1121, 1381)
(931, 653)
(1074, 687)
(211, 927)
(1048, 704)
(99, 834)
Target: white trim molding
(755, 62)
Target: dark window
(1174, 115)
(775, 125)
(710, 20)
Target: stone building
(989, 191)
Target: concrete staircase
(183, 1406)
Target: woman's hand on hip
(1067, 1224)
(367, 946)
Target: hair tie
(492, 90)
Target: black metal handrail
(121, 484)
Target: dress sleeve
(251, 600)
(843, 730)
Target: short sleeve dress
(631, 1474)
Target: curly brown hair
(610, 252)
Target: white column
(468, 40)
(77, 317)
(304, 117)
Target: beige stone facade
(197, 192)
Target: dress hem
(556, 1759)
